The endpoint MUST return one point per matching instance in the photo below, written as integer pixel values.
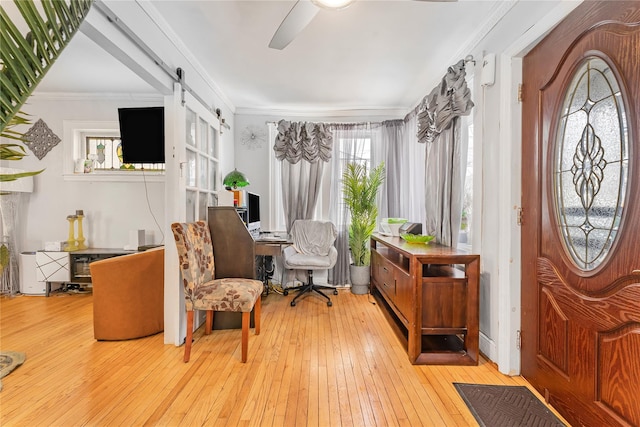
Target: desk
(267, 246)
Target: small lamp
(235, 179)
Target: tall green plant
(359, 194)
(26, 58)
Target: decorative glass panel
(591, 164)
(191, 168)
(213, 147)
(191, 205)
(191, 128)
(213, 172)
(203, 173)
(204, 127)
(202, 206)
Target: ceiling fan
(301, 14)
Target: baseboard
(488, 347)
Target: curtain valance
(301, 140)
(450, 99)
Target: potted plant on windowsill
(359, 194)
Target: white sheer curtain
(352, 143)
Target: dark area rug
(506, 406)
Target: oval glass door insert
(591, 164)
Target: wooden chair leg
(189, 338)
(209, 322)
(256, 315)
(245, 334)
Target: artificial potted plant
(359, 194)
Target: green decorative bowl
(417, 238)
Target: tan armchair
(128, 295)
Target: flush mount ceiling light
(332, 4)
(235, 179)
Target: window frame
(74, 137)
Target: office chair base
(310, 287)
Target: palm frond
(26, 58)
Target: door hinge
(520, 95)
(519, 215)
(518, 339)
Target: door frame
(510, 190)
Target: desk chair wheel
(285, 293)
(293, 303)
(335, 292)
(329, 303)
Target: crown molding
(384, 113)
(91, 96)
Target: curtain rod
(271, 122)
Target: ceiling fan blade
(296, 20)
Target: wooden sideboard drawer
(444, 304)
(382, 271)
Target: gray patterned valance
(450, 99)
(302, 140)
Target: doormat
(502, 406)
(9, 360)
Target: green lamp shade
(235, 179)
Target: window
(352, 150)
(106, 155)
(98, 141)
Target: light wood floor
(311, 365)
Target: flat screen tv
(142, 134)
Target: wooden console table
(432, 295)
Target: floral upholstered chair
(202, 291)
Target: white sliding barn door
(193, 180)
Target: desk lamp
(235, 179)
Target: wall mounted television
(142, 134)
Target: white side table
(52, 267)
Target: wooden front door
(581, 215)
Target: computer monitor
(253, 211)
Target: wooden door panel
(581, 321)
(553, 333)
(619, 372)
